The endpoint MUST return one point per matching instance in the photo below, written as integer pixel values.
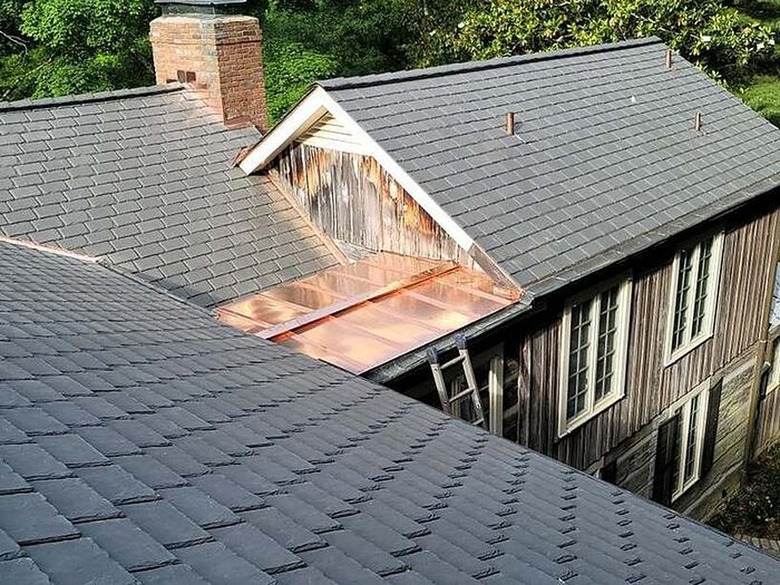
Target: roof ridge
(455, 68)
(29, 244)
(106, 264)
(86, 98)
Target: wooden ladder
(449, 403)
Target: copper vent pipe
(668, 59)
(510, 123)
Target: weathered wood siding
(353, 199)
(734, 416)
(636, 460)
(651, 385)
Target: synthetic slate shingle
(143, 179)
(249, 463)
(604, 148)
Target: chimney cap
(201, 6)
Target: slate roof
(141, 441)
(143, 178)
(605, 160)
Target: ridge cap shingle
(87, 98)
(337, 83)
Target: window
(686, 443)
(774, 368)
(593, 354)
(694, 295)
(687, 454)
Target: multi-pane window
(685, 448)
(689, 443)
(595, 330)
(695, 284)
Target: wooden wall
(651, 386)
(354, 200)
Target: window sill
(677, 495)
(681, 352)
(583, 418)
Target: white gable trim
(329, 133)
(316, 104)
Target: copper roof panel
(363, 315)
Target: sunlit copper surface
(366, 314)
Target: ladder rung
(453, 362)
(462, 394)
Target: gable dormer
(354, 192)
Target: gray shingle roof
(143, 178)
(605, 160)
(141, 441)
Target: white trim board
(330, 134)
(313, 107)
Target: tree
(74, 46)
(717, 38)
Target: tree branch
(14, 39)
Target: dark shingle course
(125, 176)
(75, 562)
(29, 519)
(233, 460)
(604, 141)
(22, 570)
(75, 500)
(127, 544)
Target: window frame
(683, 407)
(690, 342)
(594, 407)
(773, 382)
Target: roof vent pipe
(510, 123)
(697, 122)
(668, 59)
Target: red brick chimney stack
(219, 53)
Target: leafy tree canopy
(56, 47)
(74, 46)
(715, 37)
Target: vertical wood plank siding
(353, 199)
(651, 386)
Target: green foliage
(290, 69)
(756, 509)
(307, 40)
(75, 46)
(763, 95)
(56, 47)
(718, 39)
(82, 28)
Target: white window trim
(710, 305)
(702, 390)
(623, 320)
(774, 371)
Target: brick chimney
(207, 44)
